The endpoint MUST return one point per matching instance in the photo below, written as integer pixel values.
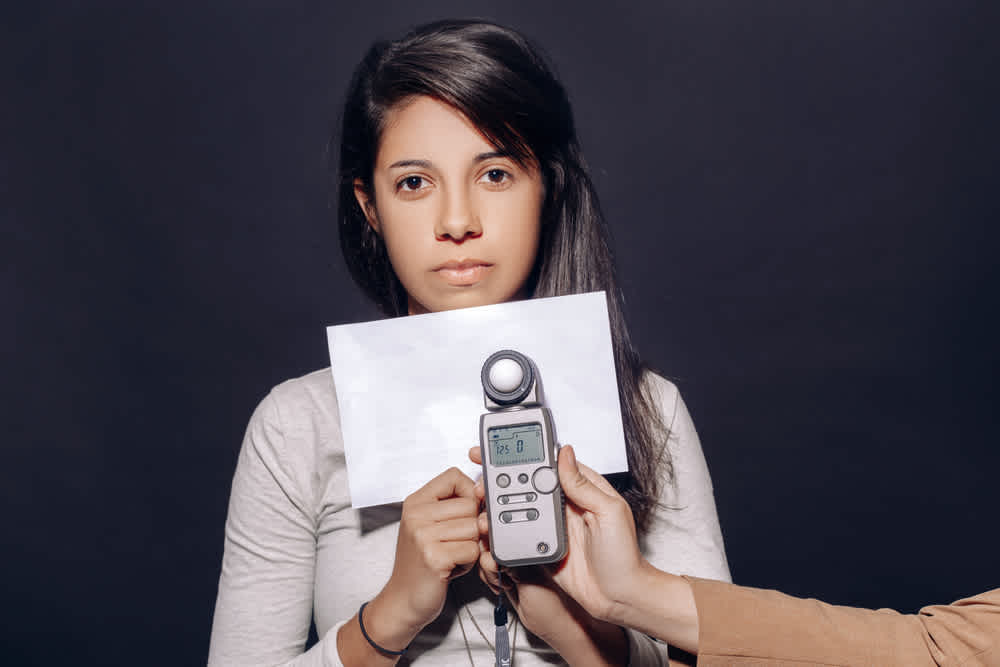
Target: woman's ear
(366, 204)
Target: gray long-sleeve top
(295, 549)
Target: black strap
(371, 641)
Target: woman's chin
(468, 296)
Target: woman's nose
(459, 221)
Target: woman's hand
(603, 567)
(604, 570)
(544, 609)
(540, 604)
(438, 541)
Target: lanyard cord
(502, 641)
(465, 638)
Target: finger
(512, 575)
(577, 487)
(452, 530)
(451, 508)
(490, 573)
(489, 565)
(461, 571)
(484, 538)
(476, 455)
(449, 484)
(480, 490)
(505, 585)
(416, 513)
(488, 580)
(450, 555)
(597, 479)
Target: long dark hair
(503, 85)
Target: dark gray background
(803, 203)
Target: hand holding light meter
(524, 503)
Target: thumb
(576, 486)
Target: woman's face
(460, 221)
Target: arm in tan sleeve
(743, 626)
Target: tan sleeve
(750, 626)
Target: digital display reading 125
(513, 445)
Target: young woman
(461, 183)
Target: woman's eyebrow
(424, 164)
(482, 157)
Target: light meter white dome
(506, 375)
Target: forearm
(660, 605)
(742, 621)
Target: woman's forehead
(423, 128)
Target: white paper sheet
(410, 395)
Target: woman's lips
(463, 272)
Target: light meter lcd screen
(513, 445)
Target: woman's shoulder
(673, 413)
(295, 432)
(309, 393)
(304, 407)
(682, 443)
(664, 393)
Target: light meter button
(545, 480)
(503, 480)
(516, 516)
(512, 498)
(506, 375)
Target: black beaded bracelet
(370, 640)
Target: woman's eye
(496, 176)
(411, 183)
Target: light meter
(524, 501)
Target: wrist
(388, 624)
(585, 639)
(663, 606)
(627, 601)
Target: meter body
(524, 501)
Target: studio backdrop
(802, 199)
